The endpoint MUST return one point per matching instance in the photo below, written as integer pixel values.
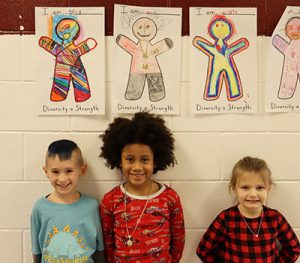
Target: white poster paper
(70, 52)
(146, 59)
(283, 64)
(223, 60)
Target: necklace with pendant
(129, 239)
(145, 54)
(259, 227)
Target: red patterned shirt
(160, 234)
(228, 239)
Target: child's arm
(35, 226)
(288, 240)
(107, 220)
(37, 258)
(126, 43)
(176, 228)
(280, 43)
(211, 240)
(99, 257)
(162, 46)
(50, 45)
(85, 46)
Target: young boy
(65, 224)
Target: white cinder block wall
(206, 149)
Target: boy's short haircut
(63, 149)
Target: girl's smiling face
(137, 163)
(251, 192)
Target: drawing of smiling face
(67, 29)
(220, 29)
(144, 29)
(292, 28)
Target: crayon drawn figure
(291, 64)
(68, 65)
(144, 64)
(221, 66)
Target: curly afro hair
(143, 128)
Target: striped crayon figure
(68, 65)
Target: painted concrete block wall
(206, 149)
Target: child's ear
(232, 190)
(83, 169)
(45, 170)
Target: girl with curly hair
(142, 219)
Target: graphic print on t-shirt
(65, 246)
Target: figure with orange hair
(221, 64)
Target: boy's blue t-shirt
(66, 232)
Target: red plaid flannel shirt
(228, 239)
